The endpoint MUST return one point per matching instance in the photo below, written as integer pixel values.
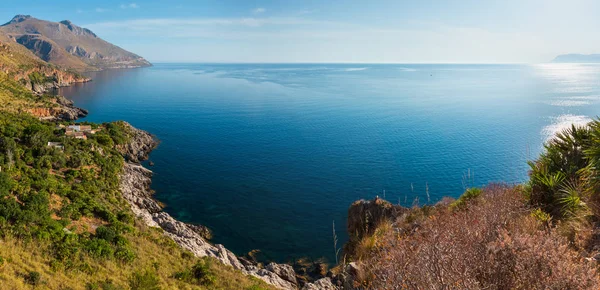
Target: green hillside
(63, 221)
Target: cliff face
(53, 79)
(135, 184)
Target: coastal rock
(284, 271)
(67, 111)
(135, 183)
(63, 109)
(365, 215)
(321, 284)
(273, 279)
(140, 146)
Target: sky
(373, 31)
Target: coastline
(135, 184)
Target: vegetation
(64, 223)
(39, 78)
(543, 234)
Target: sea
(270, 156)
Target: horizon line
(371, 63)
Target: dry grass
(154, 252)
(493, 242)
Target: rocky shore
(135, 183)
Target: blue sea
(269, 155)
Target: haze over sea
(268, 155)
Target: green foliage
(256, 287)
(33, 278)
(469, 195)
(102, 285)
(85, 182)
(199, 274)
(541, 215)
(564, 177)
(38, 78)
(146, 280)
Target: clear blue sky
(469, 31)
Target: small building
(76, 134)
(79, 128)
(56, 145)
(79, 135)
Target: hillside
(64, 223)
(68, 45)
(78, 213)
(577, 58)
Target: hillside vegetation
(540, 235)
(63, 221)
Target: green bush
(104, 285)
(33, 278)
(99, 248)
(199, 274)
(541, 215)
(125, 254)
(146, 280)
(469, 195)
(106, 233)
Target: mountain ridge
(68, 45)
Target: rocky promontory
(61, 109)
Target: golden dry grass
(154, 251)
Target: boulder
(284, 271)
(321, 284)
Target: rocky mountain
(577, 58)
(68, 45)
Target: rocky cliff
(135, 186)
(63, 109)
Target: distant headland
(577, 58)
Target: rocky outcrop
(61, 109)
(139, 146)
(135, 183)
(365, 215)
(321, 284)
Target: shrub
(199, 274)
(99, 248)
(33, 278)
(469, 195)
(125, 254)
(541, 215)
(106, 233)
(146, 280)
(496, 243)
(104, 285)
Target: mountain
(68, 45)
(578, 58)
